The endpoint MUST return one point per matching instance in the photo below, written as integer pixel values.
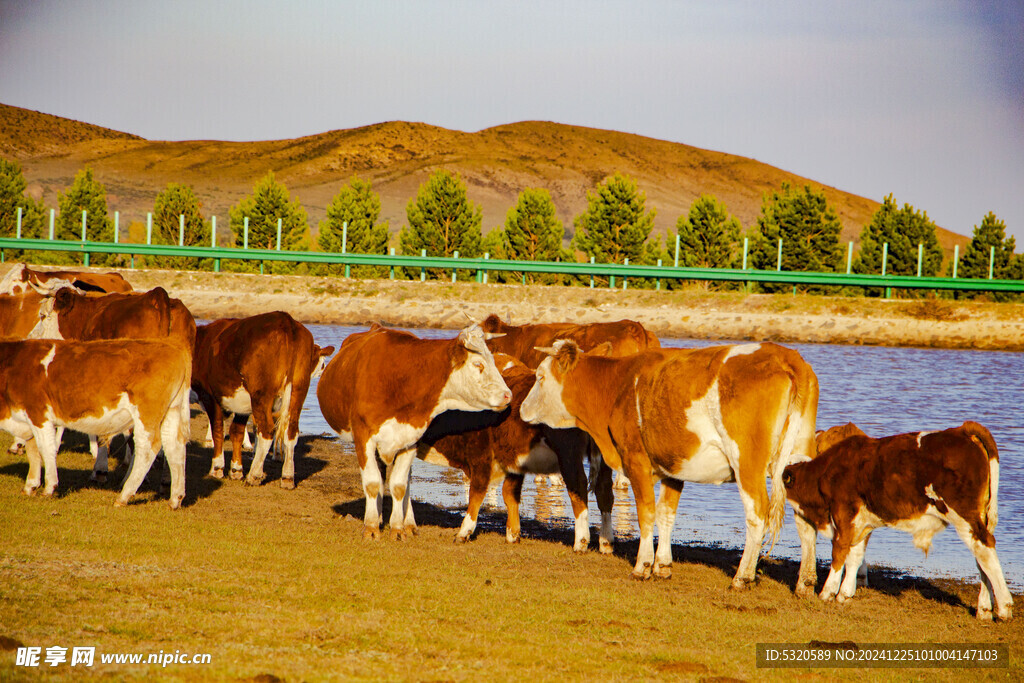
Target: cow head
(49, 311)
(475, 382)
(824, 440)
(544, 404)
(320, 359)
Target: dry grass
(280, 583)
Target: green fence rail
(482, 266)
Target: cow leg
(511, 492)
(755, 508)
(807, 579)
(171, 433)
(479, 482)
(840, 550)
(398, 482)
(993, 583)
(35, 467)
(373, 485)
(665, 517)
(215, 415)
(296, 397)
(851, 570)
(46, 442)
(146, 447)
(638, 469)
(262, 415)
(237, 432)
(100, 455)
(605, 501)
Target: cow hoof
(217, 472)
(98, 477)
(1005, 615)
(176, 502)
(398, 535)
(742, 584)
(644, 574)
(288, 483)
(29, 490)
(236, 474)
(412, 530)
(827, 598)
(581, 547)
(250, 480)
(459, 538)
(805, 590)
(663, 571)
(370, 534)
(119, 503)
(48, 493)
(604, 547)
(511, 537)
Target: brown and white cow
(382, 390)
(99, 388)
(920, 483)
(21, 278)
(19, 314)
(487, 446)
(256, 366)
(70, 314)
(726, 413)
(625, 337)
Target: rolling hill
(397, 157)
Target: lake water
(883, 390)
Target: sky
(923, 100)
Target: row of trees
(442, 221)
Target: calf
(487, 446)
(382, 390)
(99, 388)
(919, 483)
(255, 366)
(21, 278)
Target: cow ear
(472, 338)
(566, 356)
(602, 349)
(326, 351)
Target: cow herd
(80, 350)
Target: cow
(487, 446)
(382, 390)
(255, 366)
(70, 314)
(918, 482)
(19, 314)
(21, 278)
(711, 415)
(521, 341)
(99, 388)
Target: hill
(397, 157)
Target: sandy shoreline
(690, 313)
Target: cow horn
(493, 335)
(549, 350)
(470, 318)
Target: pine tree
(268, 203)
(171, 204)
(903, 229)
(991, 234)
(442, 220)
(533, 233)
(89, 195)
(708, 236)
(808, 227)
(13, 197)
(357, 206)
(616, 225)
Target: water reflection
(884, 390)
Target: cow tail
(281, 421)
(797, 441)
(184, 402)
(980, 435)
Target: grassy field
(278, 585)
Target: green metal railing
(486, 265)
(482, 266)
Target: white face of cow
(477, 384)
(47, 327)
(544, 405)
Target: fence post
(85, 256)
(778, 264)
(746, 243)
(279, 234)
(454, 255)
(625, 280)
(149, 227)
(885, 261)
(391, 252)
(83, 225)
(920, 258)
(52, 211)
(117, 227)
(213, 232)
(991, 261)
(657, 285)
(956, 258)
(181, 229)
(849, 257)
(245, 233)
(344, 237)
(591, 274)
(677, 251)
(423, 271)
(487, 257)
(18, 234)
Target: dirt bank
(690, 313)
